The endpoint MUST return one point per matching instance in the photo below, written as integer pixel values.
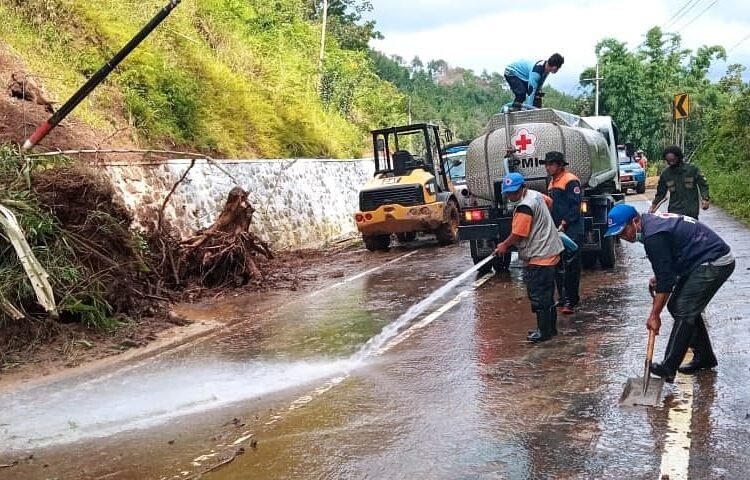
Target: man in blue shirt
(526, 79)
(690, 263)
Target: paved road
(451, 390)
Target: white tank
(533, 134)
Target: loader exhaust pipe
(43, 129)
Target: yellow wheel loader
(411, 191)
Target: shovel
(644, 391)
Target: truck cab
(410, 191)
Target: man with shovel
(539, 246)
(690, 263)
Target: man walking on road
(565, 190)
(539, 246)
(526, 79)
(690, 262)
(687, 187)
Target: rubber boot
(560, 284)
(703, 353)
(679, 341)
(544, 327)
(553, 322)
(553, 315)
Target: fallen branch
(171, 192)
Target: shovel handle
(650, 347)
(647, 363)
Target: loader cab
(400, 150)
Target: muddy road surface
(363, 379)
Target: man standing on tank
(565, 190)
(526, 79)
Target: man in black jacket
(690, 262)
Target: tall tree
(346, 22)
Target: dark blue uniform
(692, 262)
(566, 194)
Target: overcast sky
(488, 34)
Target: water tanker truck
(517, 142)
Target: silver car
(455, 167)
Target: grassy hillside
(235, 77)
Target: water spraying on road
(377, 342)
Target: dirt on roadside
(151, 312)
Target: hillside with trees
(453, 97)
(638, 89)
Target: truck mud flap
(479, 232)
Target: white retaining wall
(299, 203)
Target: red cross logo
(524, 142)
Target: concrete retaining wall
(299, 203)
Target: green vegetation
(638, 89)
(244, 77)
(226, 76)
(80, 291)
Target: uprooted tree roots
(226, 253)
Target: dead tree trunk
(226, 252)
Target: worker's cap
(513, 182)
(619, 217)
(555, 157)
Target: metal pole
(596, 107)
(682, 145)
(596, 88)
(323, 40)
(43, 129)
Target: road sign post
(681, 111)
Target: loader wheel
(406, 237)
(447, 232)
(377, 242)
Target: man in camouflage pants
(687, 187)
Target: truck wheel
(501, 264)
(376, 242)
(608, 256)
(486, 268)
(588, 259)
(447, 232)
(406, 236)
(640, 188)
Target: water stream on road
(176, 387)
(377, 342)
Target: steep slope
(229, 77)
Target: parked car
(632, 175)
(455, 167)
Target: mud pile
(98, 226)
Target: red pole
(43, 129)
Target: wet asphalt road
(455, 393)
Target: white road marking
(675, 459)
(220, 329)
(362, 274)
(307, 398)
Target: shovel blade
(633, 394)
